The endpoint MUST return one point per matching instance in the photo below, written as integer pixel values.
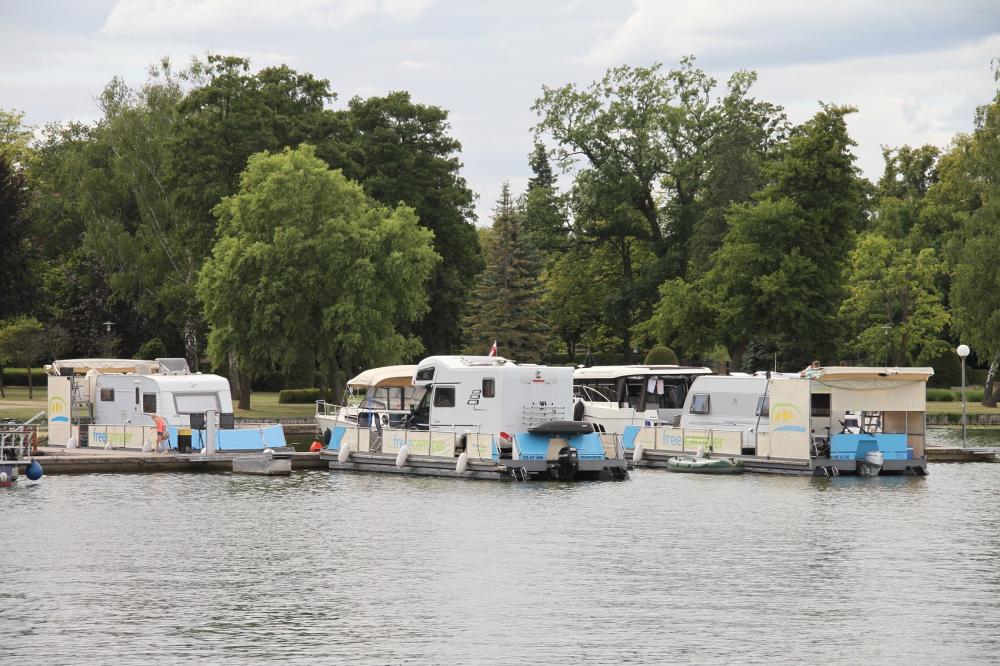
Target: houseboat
(113, 403)
(829, 421)
(616, 396)
(468, 416)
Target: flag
(493, 349)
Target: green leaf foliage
(307, 265)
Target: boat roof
(394, 376)
(616, 371)
(835, 373)
(462, 362)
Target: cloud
(149, 17)
(739, 33)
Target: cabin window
(489, 387)
(820, 404)
(196, 403)
(425, 374)
(107, 395)
(699, 403)
(444, 396)
(136, 396)
(763, 405)
(149, 403)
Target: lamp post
(107, 338)
(963, 352)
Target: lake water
(361, 568)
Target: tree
(400, 151)
(306, 265)
(778, 277)
(16, 283)
(506, 304)
(15, 138)
(893, 303)
(23, 340)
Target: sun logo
(57, 410)
(784, 415)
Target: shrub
(19, 377)
(299, 396)
(661, 355)
(947, 366)
(152, 349)
(941, 395)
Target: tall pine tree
(506, 304)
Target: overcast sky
(916, 70)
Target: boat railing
(17, 441)
(324, 408)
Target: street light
(963, 352)
(107, 338)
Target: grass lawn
(262, 405)
(956, 408)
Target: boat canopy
(82, 366)
(875, 389)
(391, 376)
(841, 373)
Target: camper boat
(478, 417)
(112, 403)
(616, 396)
(827, 421)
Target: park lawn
(262, 406)
(956, 408)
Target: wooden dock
(941, 454)
(59, 460)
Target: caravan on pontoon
(112, 403)
(616, 396)
(472, 416)
(829, 421)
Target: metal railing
(17, 441)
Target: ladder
(519, 473)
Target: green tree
(307, 266)
(778, 277)
(15, 138)
(23, 341)
(16, 283)
(401, 152)
(506, 304)
(893, 302)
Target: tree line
(235, 218)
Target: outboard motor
(566, 467)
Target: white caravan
(616, 396)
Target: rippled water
(334, 567)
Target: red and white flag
(493, 349)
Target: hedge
(19, 377)
(948, 395)
(304, 395)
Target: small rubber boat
(702, 465)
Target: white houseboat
(468, 416)
(111, 403)
(831, 421)
(616, 396)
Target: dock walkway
(59, 460)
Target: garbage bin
(184, 440)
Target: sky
(915, 70)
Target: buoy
(401, 456)
(71, 443)
(637, 453)
(34, 471)
(316, 446)
(3, 477)
(462, 464)
(344, 454)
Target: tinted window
(425, 374)
(763, 405)
(149, 403)
(489, 388)
(699, 403)
(107, 395)
(191, 403)
(820, 404)
(444, 396)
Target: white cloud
(146, 17)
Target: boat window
(820, 404)
(489, 387)
(107, 395)
(425, 374)
(192, 403)
(763, 405)
(149, 403)
(444, 396)
(699, 403)
(666, 393)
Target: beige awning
(395, 376)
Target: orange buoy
(316, 446)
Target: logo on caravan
(57, 411)
(785, 415)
